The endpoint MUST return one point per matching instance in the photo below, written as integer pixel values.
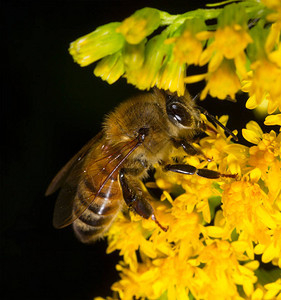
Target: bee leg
(189, 148)
(134, 197)
(190, 170)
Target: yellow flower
(230, 43)
(273, 290)
(222, 82)
(265, 79)
(188, 46)
(139, 25)
(253, 132)
(221, 272)
(230, 157)
(136, 283)
(273, 120)
(266, 151)
(197, 191)
(272, 250)
(171, 77)
(268, 146)
(118, 240)
(272, 42)
(230, 40)
(264, 161)
(245, 208)
(148, 280)
(262, 82)
(258, 294)
(276, 15)
(215, 226)
(155, 57)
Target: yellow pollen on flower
(133, 30)
(139, 25)
(253, 132)
(273, 120)
(231, 41)
(276, 15)
(171, 77)
(187, 48)
(273, 290)
(266, 80)
(222, 82)
(241, 201)
(223, 269)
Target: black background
(50, 108)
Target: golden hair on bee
(106, 175)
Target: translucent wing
(59, 179)
(87, 176)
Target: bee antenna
(195, 99)
(204, 111)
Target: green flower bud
(97, 44)
(256, 50)
(133, 55)
(171, 77)
(194, 26)
(233, 14)
(156, 54)
(110, 68)
(139, 25)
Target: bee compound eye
(178, 114)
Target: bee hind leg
(190, 170)
(135, 198)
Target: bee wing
(74, 197)
(61, 176)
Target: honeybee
(107, 173)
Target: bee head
(184, 113)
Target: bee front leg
(134, 197)
(189, 148)
(190, 170)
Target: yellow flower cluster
(224, 234)
(217, 228)
(240, 53)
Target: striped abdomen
(97, 218)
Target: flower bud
(233, 14)
(97, 44)
(259, 35)
(156, 54)
(139, 25)
(133, 55)
(110, 68)
(171, 77)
